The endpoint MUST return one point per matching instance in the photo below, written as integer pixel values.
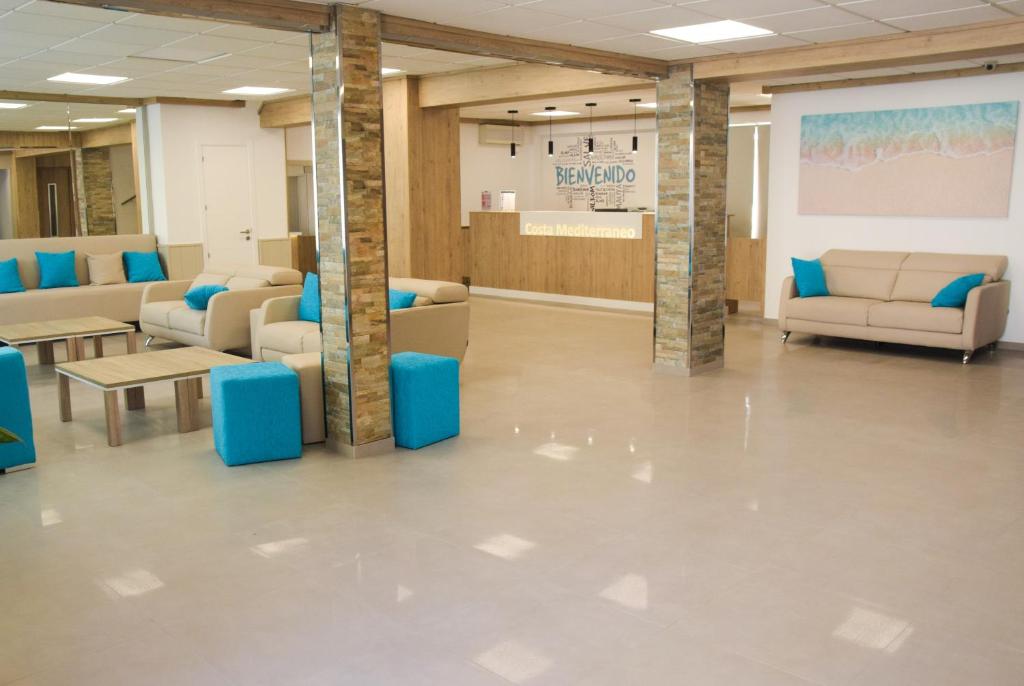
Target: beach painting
(954, 161)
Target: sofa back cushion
(923, 275)
(437, 292)
(862, 273)
(24, 250)
(239, 277)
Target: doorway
(56, 213)
(227, 204)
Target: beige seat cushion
(311, 394)
(241, 283)
(831, 309)
(291, 337)
(188, 320)
(437, 292)
(158, 313)
(107, 268)
(861, 273)
(916, 316)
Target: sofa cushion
(922, 286)
(188, 320)
(209, 279)
(309, 303)
(273, 276)
(439, 292)
(57, 269)
(993, 266)
(831, 309)
(809, 277)
(291, 337)
(143, 266)
(862, 273)
(954, 294)
(10, 280)
(241, 283)
(158, 313)
(117, 301)
(916, 317)
(198, 298)
(106, 268)
(24, 249)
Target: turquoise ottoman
(255, 413)
(424, 398)
(15, 411)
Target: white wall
(176, 134)
(122, 170)
(299, 143)
(793, 235)
(491, 167)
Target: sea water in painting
(954, 161)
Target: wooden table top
(126, 371)
(57, 329)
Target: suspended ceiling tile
(137, 35)
(938, 20)
(577, 32)
(441, 11)
(280, 50)
(9, 51)
(53, 9)
(887, 9)
(296, 67)
(141, 66)
(866, 29)
(175, 53)
(96, 47)
(251, 33)
(820, 18)
(592, 9)
(1014, 6)
(173, 23)
(244, 61)
(740, 9)
(761, 43)
(643, 44)
(46, 25)
(215, 44)
(661, 18)
(70, 59)
(509, 20)
(29, 40)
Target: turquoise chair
(255, 413)
(15, 411)
(424, 398)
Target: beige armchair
(437, 323)
(224, 325)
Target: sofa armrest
(435, 329)
(163, 291)
(284, 309)
(788, 293)
(227, 317)
(985, 314)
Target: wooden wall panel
(275, 252)
(590, 267)
(435, 194)
(120, 134)
(182, 260)
(401, 143)
(26, 198)
(744, 269)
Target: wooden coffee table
(186, 367)
(72, 331)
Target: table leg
(132, 342)
(64, 397)
(135, 398)
(97, 346)
(45, 351)
(113, 411)
(72, 348)
(198, 381)
(187, 404)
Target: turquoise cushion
(309, 304)
(810, 278)
(10, 281)
(57, 269)
(424, 398)
(198, 298)
(954, 294)
(15, 411)
(255, 413)
(399, 300)
(143, 266)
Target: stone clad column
(349, 169)
(693, 132)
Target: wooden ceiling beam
(68, 98)
(286, 15)
(896, 78)
(423, 34)
(988, 39)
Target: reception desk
(589, 254)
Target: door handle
(247, 233)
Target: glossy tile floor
(813, 514)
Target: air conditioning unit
(501, 134)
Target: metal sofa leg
(149, 339)
(967, 356)
(785, 336)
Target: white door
(227, 204)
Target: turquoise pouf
(424, 398)
(255, 413)
(15, 411)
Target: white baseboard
(557, 299)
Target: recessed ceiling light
(388, 71)
(256, 90)
(12, 105)
(713, 31)
(94, 120)
(127, 110)
(648, 105)
(50, 127)
(92, 79)
(555, 113)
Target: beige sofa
(224, 325)
(886, 297)
(116, 301)
(437, 323)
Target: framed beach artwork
(954, 161)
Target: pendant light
(551, 142)
(590, 140)
(513, 146)
(636, 140)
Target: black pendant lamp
(590, 140)
(551, 142)
(513, 145)
(636, 140)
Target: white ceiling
(57, 114)
(608, 104)
(191, 58)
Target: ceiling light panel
(94, 120)
(256, 90)
(13, 105)
(555, 113)
(713, 32)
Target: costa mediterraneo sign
(621, 225)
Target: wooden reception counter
(590, 254)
